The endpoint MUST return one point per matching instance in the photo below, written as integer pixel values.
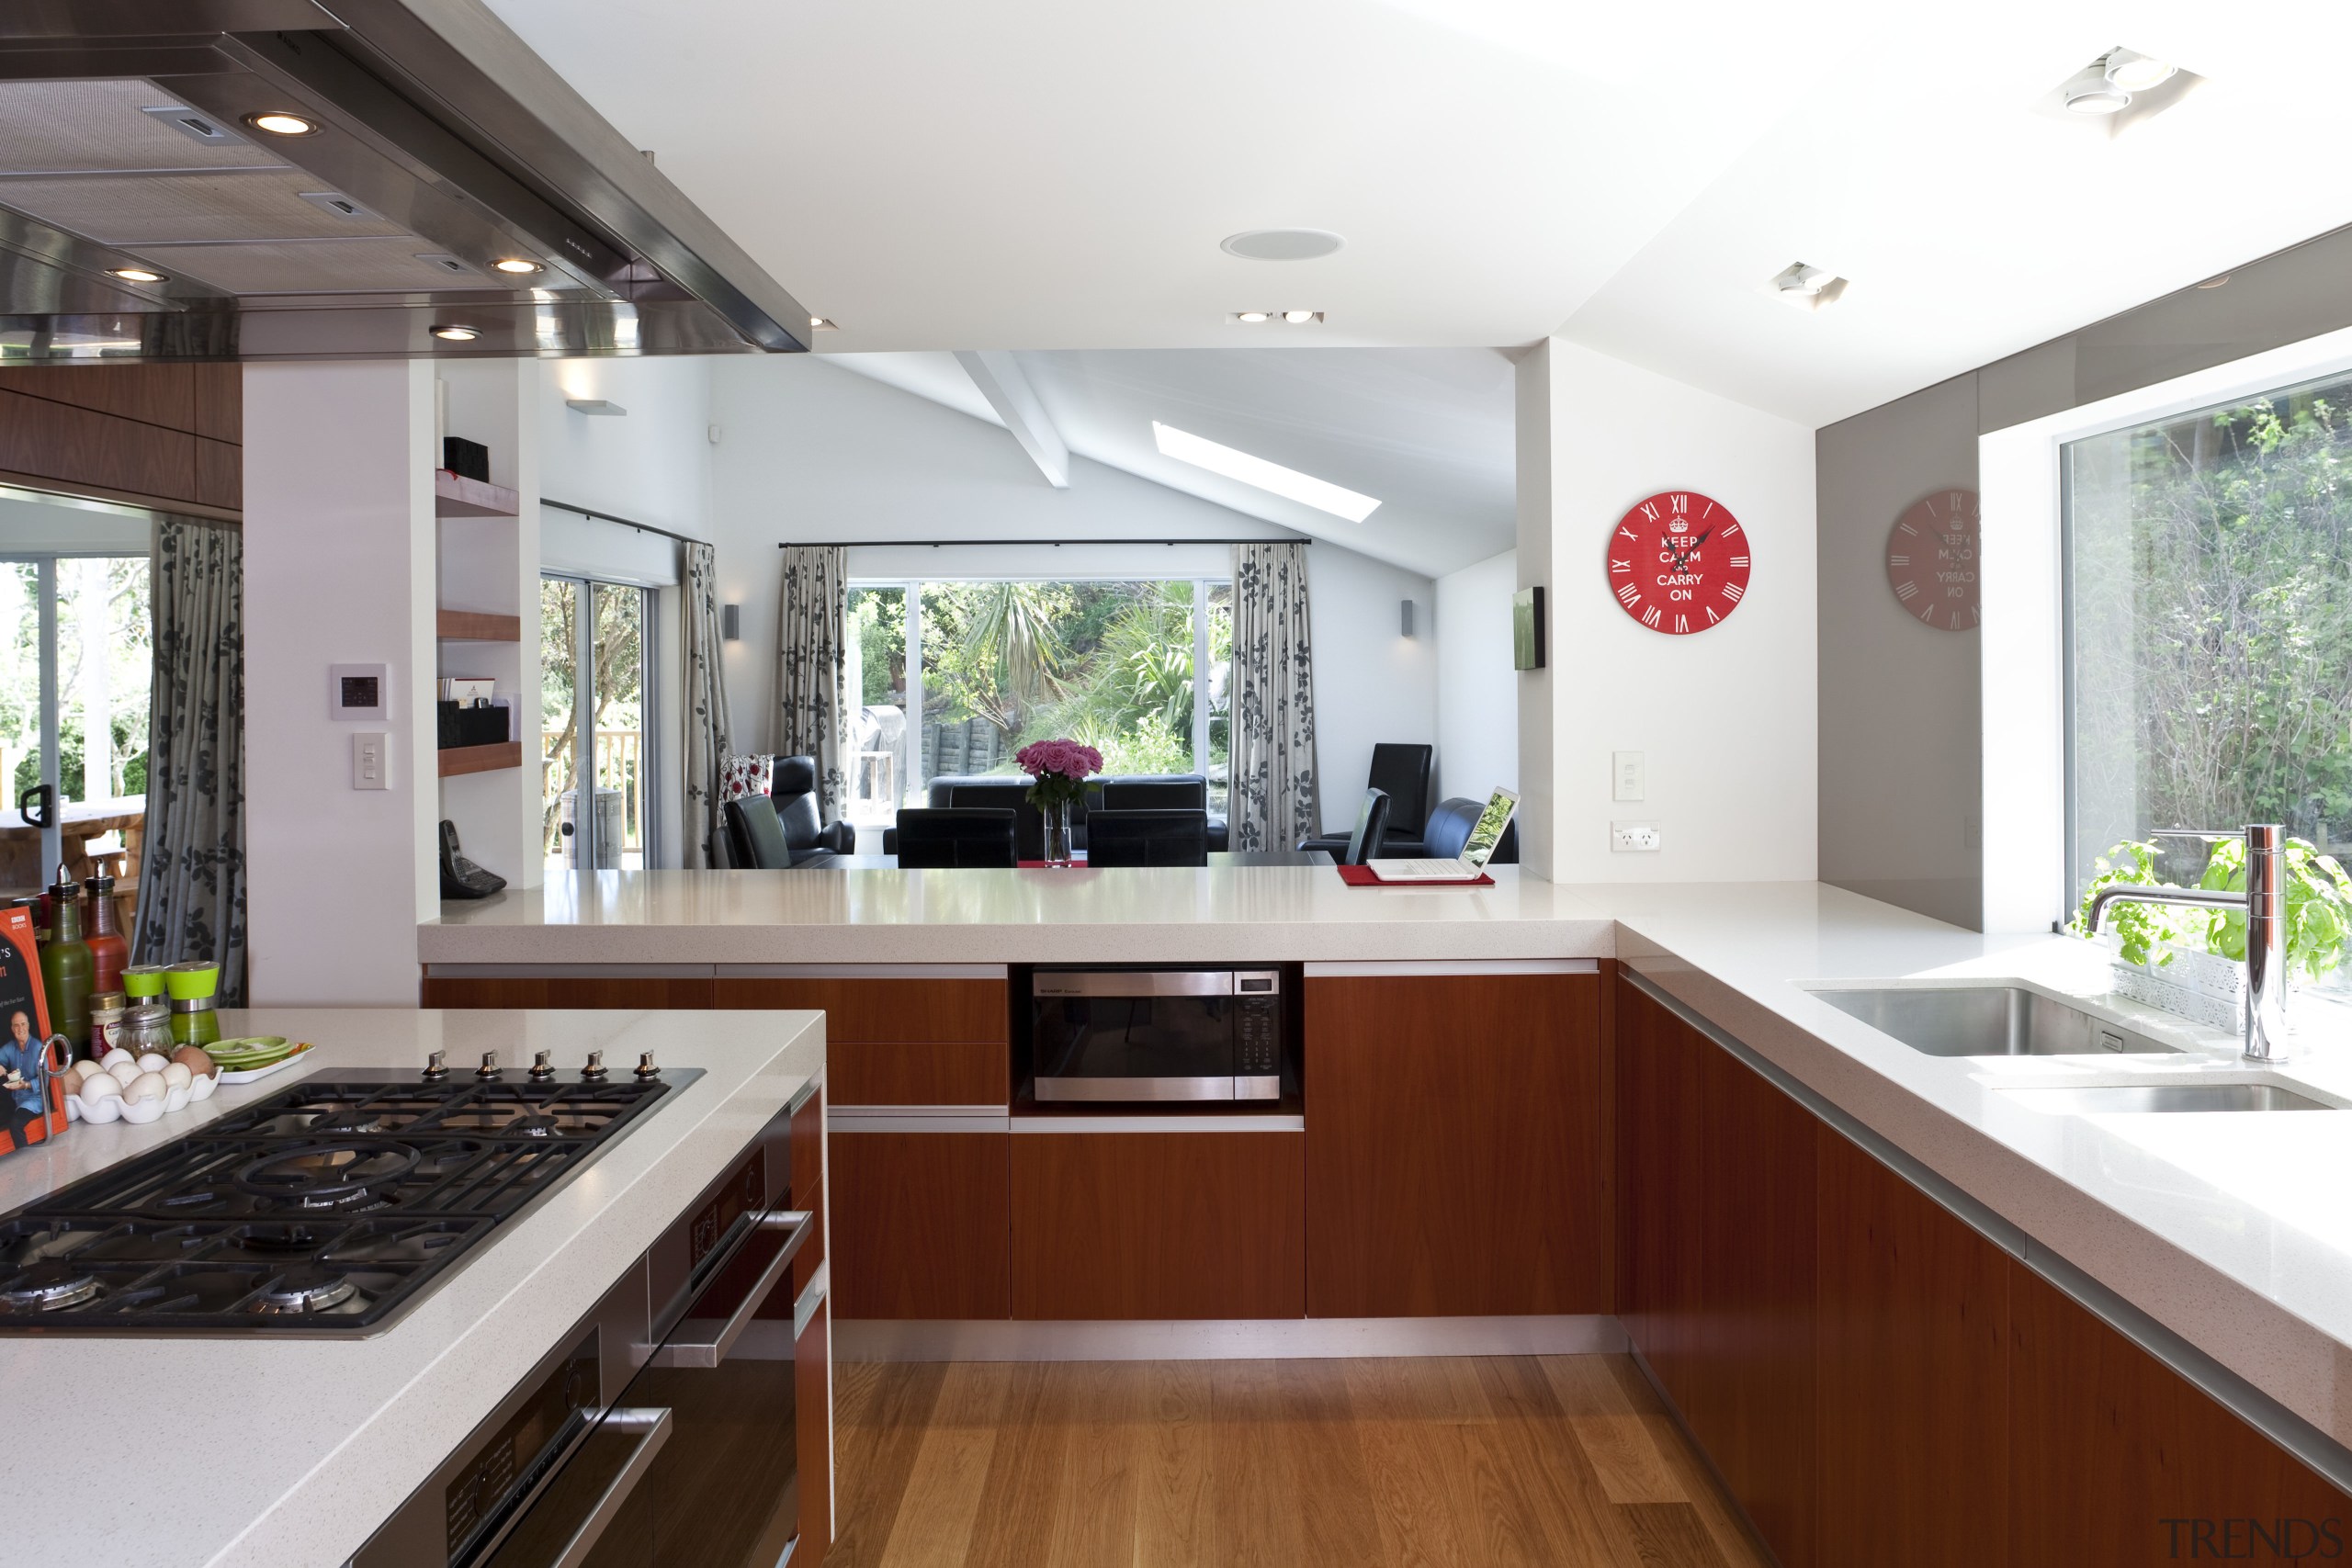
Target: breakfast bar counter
(2224, 1237)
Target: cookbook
(32, 1102)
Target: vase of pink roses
(1057, 770)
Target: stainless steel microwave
(1156, 1034)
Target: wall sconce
(1405, 626)
(730, 623)
(603, 407)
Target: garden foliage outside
(2210, 586)
(1108, 664)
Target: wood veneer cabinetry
(1717, 1274)
(897, 1042)
(921, 1227)
(1455, 1128)
(812, 1394)
(1877, 1381)
(1159, 1225)
(155, 432)
(597, 992)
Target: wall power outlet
(1632, 838)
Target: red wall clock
(1677, 562)
(1931, 561)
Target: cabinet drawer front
(881, 1011)
(958, 1072)
(1455, 1141)
(919, 1224)
(1159, 1225)
(600, 993)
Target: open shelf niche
(487, 594)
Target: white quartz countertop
(184, 1451)
(2233, 1231)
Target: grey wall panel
(1900, 786)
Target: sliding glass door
(596, 686)
(76, 669)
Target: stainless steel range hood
(432, 145)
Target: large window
(953, 677)
(2209, 621)
(595, 699)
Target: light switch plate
(1631, 774)
(1632, 838)
(370, 759)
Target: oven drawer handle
(653, 1425)
(683, 1352)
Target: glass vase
(1057, 833)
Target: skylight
(1304, 488)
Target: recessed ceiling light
(1298, 318)
(140, 274)
(1253, 317)
(455, 334)
(2214, 282)
(1281, 245)
(1808, 287)
(281, 122)
(2090, 93)
(822, 324)
(1304, 488)
(2136, 73)
(515, 264)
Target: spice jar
(147, 1026)
(193, 1022)
(109, 1012)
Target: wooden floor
(1560, 1461)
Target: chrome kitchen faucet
(2263, 1007)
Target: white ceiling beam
(1002, 382)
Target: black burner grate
(324, 1208)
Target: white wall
(1478, 707)
(651, 465)
(339, 569)
(1727, 717)
(1372, 683)
(812, 452)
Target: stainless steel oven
(662, 1432)
(1156, 1034)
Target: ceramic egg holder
(98, 1110)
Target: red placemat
(1361, 876)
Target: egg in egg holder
(138, 1089)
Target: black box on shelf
(467, 459)
(460, 725)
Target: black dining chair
(1179, 837)
(1372, 829)
(937, 836)
(755, 836)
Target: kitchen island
(2216, 1243)
(285, 1452)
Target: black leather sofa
(1111, 792)
(808, 840)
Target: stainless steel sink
(2132, 1098)
(1989, 1020)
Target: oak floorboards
(1565, 1462)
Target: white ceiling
(1052, 175)
(1426, 431)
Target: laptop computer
(1487, 832)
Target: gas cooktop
(326, 1208)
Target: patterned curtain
(192, 874)
(707, 740)
(813, 668)
(1273, 804)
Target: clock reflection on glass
(1677, 562)
(1931, 561)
